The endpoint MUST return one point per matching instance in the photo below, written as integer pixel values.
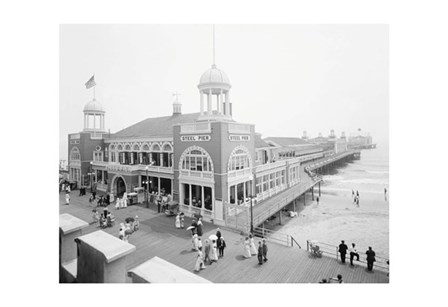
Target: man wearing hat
(265, 250)
(343, 250)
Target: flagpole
(94, 88)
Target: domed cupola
(215, 85)
(94, 116)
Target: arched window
(239, 159)
(155, 147)
(127, 147)
(196, 159)
(167, 148)
(111, 147)
(119, 147)
(74, 154)
(135, 147)
(145, 147)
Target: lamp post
(147, 186)
(91, 173)
(251, 214)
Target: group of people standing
(212, 249)
(122, 203)
(251, 250)
(343, 248)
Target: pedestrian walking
(182, 220)
(357, 193)
(67, 198)
(221, 247)
(317, 200)
(353, 252)
(353, 194)
(260, 253)
(95, 216)
(265, 250)
(136, 224)
(218, 233)
(213, 252)
(246, 251)
(357, 201)
(199, 227)
(343, 250)
(157, 201)
(194, 242)
(253, 249)
(117, 203)
(370, 259)
(125, 200)
(194, 227)
(199, 262)
(200, 243)
(177, 221)
(207, 251)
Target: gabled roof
(155, 127)
(259, 143)
(286, 141)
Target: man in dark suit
(265, 250)
(370, 259)
(260, 253)
(343, 250)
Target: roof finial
(214, 45)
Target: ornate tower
(94, 116)
(214, 86)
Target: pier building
(206, 161)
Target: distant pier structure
(361, 141)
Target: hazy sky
(285, 78)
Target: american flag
(91, 82)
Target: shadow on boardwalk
(159, 237)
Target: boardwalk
(158, 237)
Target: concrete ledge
(157, 270)
(69, 270)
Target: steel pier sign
(118, 168)
(239, 138)
(195, 138)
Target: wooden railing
(274, 236)
(333, 251)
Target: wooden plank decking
(158, 237)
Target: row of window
(197, 160)
(239, 160)
(294, 174)
(145, 147)
(267, 182)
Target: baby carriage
(315, 249)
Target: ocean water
(336, 218)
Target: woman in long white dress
(125, 200)
(247, 248)
(199, 262)
(195, 242)
(178, 221)
(117, 203)
(253, 248)
(213, 252)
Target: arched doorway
(120, 186)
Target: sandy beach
(336, 218)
